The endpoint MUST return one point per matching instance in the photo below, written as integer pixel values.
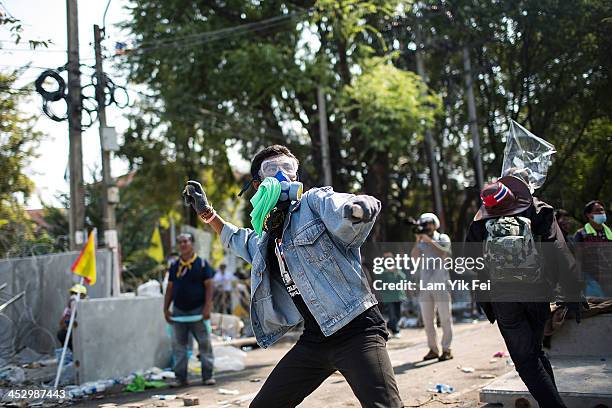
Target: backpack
(510, 251)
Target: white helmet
(429, 217)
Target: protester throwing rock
(305, 256)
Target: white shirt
(224, 280)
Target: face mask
(290, 190)
(599, 218)
(272, 191)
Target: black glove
(194, 196)
(370, 207)
(576, 308)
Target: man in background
(75, 291)
(432, 245)
(565, 223)
(593, 244)
(392, 299)
(224, 282)
(190, 291)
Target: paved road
(473, 346)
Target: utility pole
(77, 201)
(327, 172)
(471, 103)
(429, 141)
(108, 143)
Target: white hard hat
(429, 217)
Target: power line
(216, 35)
(104, 15)
(7, 11)
(31, 50)
(25, 66)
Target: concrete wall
(117, 336)
(46, 280)
(590, 338)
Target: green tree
(256, 87)
(18, 141)
(245, 74)
(392, 109)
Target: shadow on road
(400, 369)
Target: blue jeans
(180, 337)
(394, 314)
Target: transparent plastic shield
(527, 156)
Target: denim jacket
(322, 252)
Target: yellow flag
(164, 222)
(85, 264)
(156, 249)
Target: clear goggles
(271, 166)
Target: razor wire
(18, 327)
(52, 88)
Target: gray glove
(370, 207)
(194, 196)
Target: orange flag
(85, 264)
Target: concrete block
(582, 382)
(190, 401)
(117, 336)
(590, 338)
(46, 280)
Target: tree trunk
(377, 185)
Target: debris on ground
(467, 369)
(12, 374)
(224, 391)
(486, 376)
(406, 322)
(164, 397)
(501, 354)
(442, 389)
(140, 384)
(189, 401)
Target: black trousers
(393, 310)
(362, 360)
(522, 327)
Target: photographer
(434, 247)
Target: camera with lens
(417, 228)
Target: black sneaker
(446, 355)
(430, 356)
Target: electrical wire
(226, 30)
(104, 15)
(26, 66)
(210, 36)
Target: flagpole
(60, 364)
